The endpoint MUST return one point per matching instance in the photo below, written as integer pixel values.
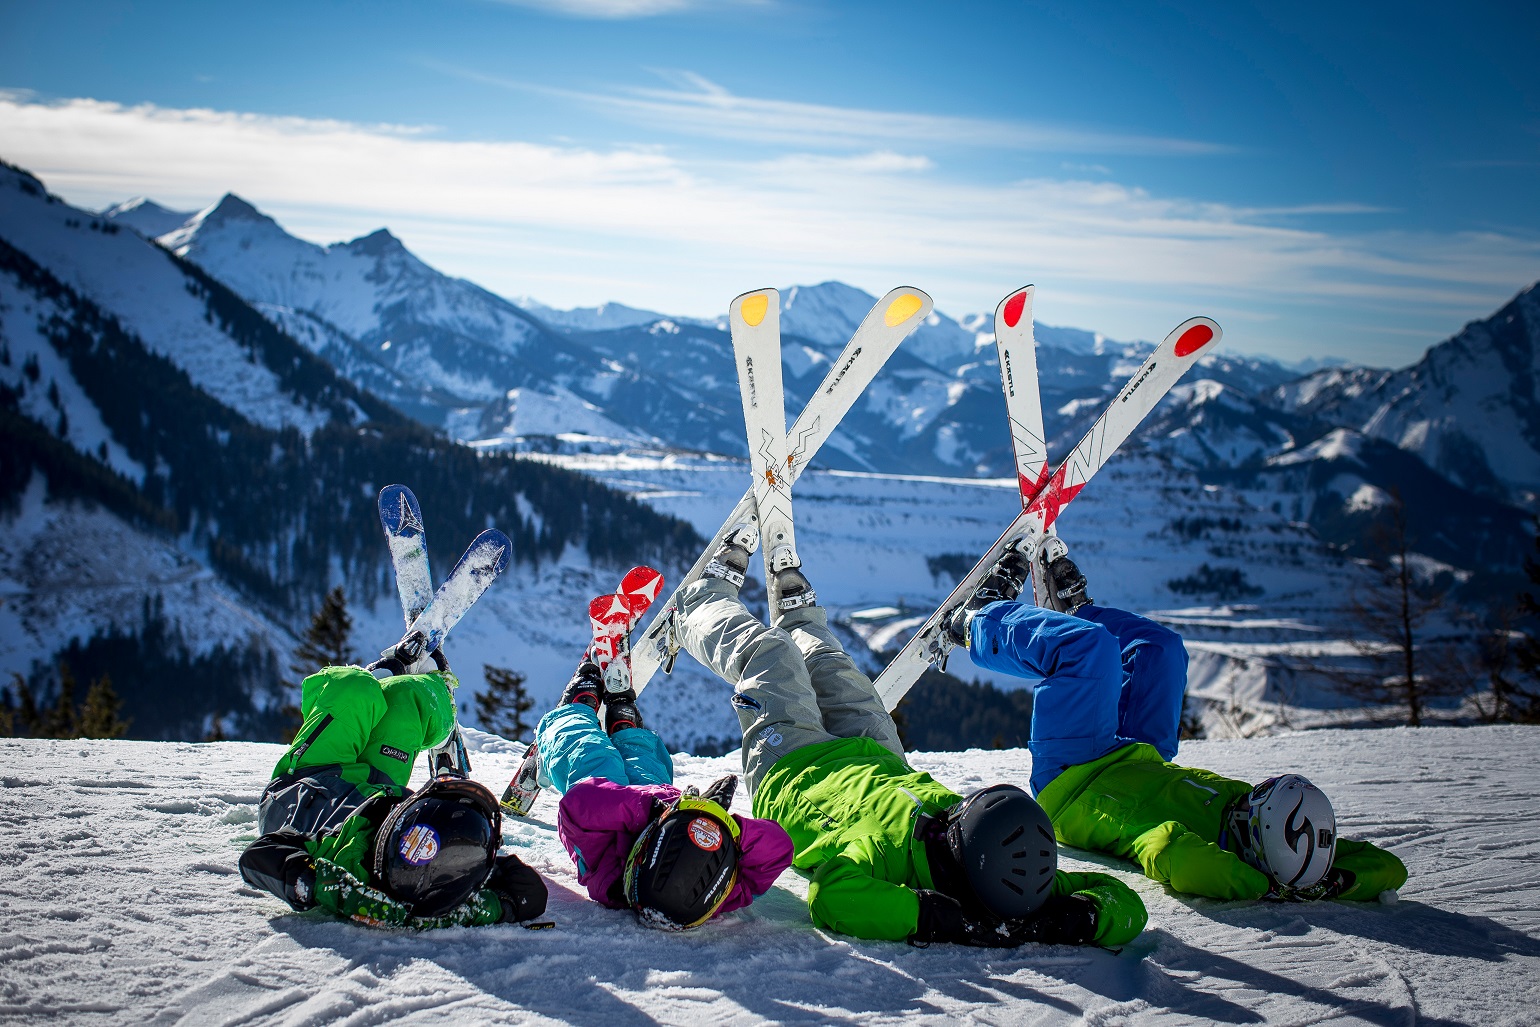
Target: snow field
(120, 903)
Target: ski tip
(752, 307)
(1196, 334)
(490, 538)
(904, 306)
(399, 509)
(1013, 306)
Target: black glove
(1333, 884)
(278, 863)
(721, 790)
(519, 889)
(942, 919)
(1063, 920)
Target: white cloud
(698, 106)
(574, 225)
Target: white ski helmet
(1288, 830)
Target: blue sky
(1352, 180)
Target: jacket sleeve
(346, 896)
(850, 894)
(1120, 912)
(598, 822)
(1173, 855)
(766, 851)
(1367, 870)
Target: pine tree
(326, 642)
(61, 721)
(501, 706)
(26, 721)
(100, 716)
(1513, 699)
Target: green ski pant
(794, 684)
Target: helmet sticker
(419, 845)
(705, 834)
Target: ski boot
(1005, 581)
(620, 712)
(789, 587)
(1057, 583)
(731, 560)
(586, 687)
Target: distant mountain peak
(147, 217)
(232, 208)
(378, 243)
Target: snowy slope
(67, 571)
(149, 294)
(123, 906)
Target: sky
(1327, 180)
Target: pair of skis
(1044, 495)
(779, 460)
(612, 618)
(430, 614)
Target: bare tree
(1402, 662)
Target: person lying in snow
(341, 830)
(676, 859)
(1105, 722)
(891, 853)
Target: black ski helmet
(436, 848)
(683, 864)
(1004, 842)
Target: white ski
(1164, 368)
(891, 320)
(755, 320)
(1023, 402)
(1018, 378)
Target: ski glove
(1063, 920)
(942, 919)
(719, 791)
(1333, 884)
(519, 889)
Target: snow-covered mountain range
(1234, 512)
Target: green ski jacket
(851, 808)
(1167, 818)
(368, 733)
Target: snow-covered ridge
(150, 295)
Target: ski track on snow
(120, 904)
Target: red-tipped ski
(612, 617)
(1164, 368)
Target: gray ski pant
(794, 684)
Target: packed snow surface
(122, 905)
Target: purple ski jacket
(599, 821)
